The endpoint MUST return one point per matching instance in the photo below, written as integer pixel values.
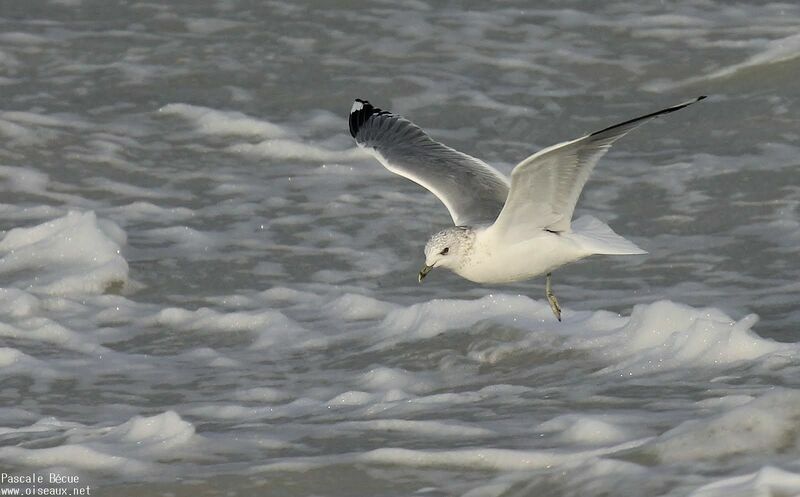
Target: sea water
(206, 289)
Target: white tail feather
(598, 238)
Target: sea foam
(72, 255)
(766, 482)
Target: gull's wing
(545, 187)
(472, 191)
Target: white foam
(269, 327)
(428, 319)
(354, 307)
(296, 408)
(39, 120)
(483, 459)
(131, 448)
(662, 336)
(124, 189)
(435, 429)
(352, 398)
(762, 426)
(8, 60)
(208, 319)
(773, 52)
(24, 179)
(191, 242)
(295, 149)
(666, 335)
(72, 456)
(151, 436)
(42, 425)
(31, 128)
(147, 211)
(209, 356)
(207, 26)
(766, 482)
(21, 135)
(15, 362)
(223, 123)
(261, 394)
(18, 304)
(46, 330)
(74, 254)
(587, 430)
(20, 38)
(385, 378)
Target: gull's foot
(551, 298)
(554, 305)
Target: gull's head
(446, 248)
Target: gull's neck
(466, 238)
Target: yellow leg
(551, 298)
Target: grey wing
(472, 191)
(545, 187)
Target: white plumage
(506, 230)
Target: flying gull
(506, 230)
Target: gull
(505, 230)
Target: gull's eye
(445, 251)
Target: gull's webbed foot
(551, 298)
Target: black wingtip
(690, 102)
(360, 112)
(651, 115)
(681, 106)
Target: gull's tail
(596, 237)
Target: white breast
(505, 264)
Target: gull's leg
(551, 298)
